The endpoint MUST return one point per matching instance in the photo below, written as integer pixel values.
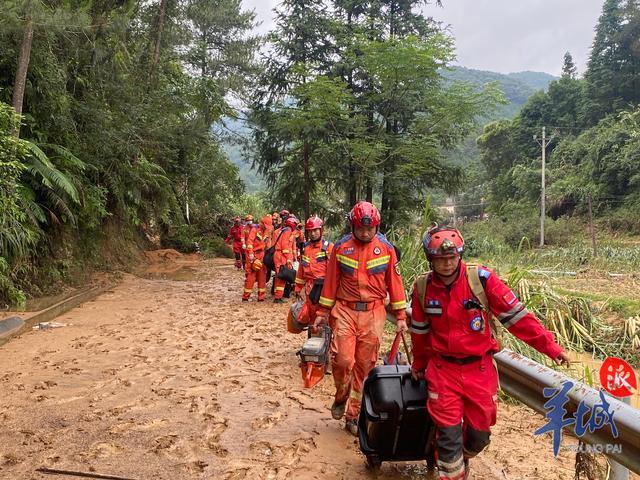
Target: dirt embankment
(168, 379)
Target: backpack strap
(420, 285)
(473, 277)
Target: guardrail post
(620, 472)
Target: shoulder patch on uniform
(344, 239)
(483, 272)
(376, 251)
(383, 239)
(509, 298)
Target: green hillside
(517, 87)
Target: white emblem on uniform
(376, 250)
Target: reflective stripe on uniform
(454, 469)
(419, 331)
(433, 395)
(306, 259)
(508, 323)
(299, 281)
(516, 308)
(286, 251)
(376, 262)
(398, 305)
(326, 302)
(349, 262)
(279, 289)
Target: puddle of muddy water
(180, 274)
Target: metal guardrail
(524, 379)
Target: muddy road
(171, 377)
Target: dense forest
(109, 113)
(116, 101)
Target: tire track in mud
(161, 379)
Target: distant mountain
(231, 135)
(517, 87)
(537, 80)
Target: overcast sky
(506, 35)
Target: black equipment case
(394, 423)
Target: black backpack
(269, 253)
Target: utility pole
(544, 145)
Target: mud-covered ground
(172, 377)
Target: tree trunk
(21, 73)
(386, 207)
(156, 50)
(352, 188)
(369, 191)
(307, 179)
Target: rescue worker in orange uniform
(453, 347)
(276, 220)
(283, 256)
(246, 228)
(362, 271)
(255, 270)
(235, 236)
(313, 265)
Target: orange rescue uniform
(257, 243)
(313, 267)
(359, 277)
(285, 243)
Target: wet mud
(169, 376)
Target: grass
(624, 307)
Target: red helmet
(291, 222)
(249, 218)
(314, 222)
(442, 241)
(284, 213)
(364, 214)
